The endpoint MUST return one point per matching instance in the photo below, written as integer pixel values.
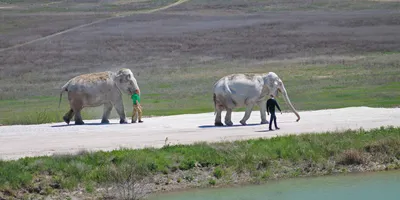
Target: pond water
(365, 186)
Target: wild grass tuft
(351, 157)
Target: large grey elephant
(95, 89)
(246, 90)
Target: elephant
(100, 88)
(246, 90)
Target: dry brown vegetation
(351, 157)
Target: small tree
(128, 180)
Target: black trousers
(273, 118)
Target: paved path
(47, 139)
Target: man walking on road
(271, 103)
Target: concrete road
(58, 138)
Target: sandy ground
(58, 138)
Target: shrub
(212, 181)
(351, 157)
(128, 180)
(218, 172)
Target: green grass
(373, 80)
(260, 157)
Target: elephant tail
(215, 103)
(63, 89)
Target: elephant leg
(228, 117)
(106, 114)
(77, 106)
(247, 113)
(78, 117)
(119, 106)
(263, 109)
(218, 118)
(68, 116)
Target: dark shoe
(271, 129)
(140, 121)
(277, 128)
(133, 122)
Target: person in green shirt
(137, 108)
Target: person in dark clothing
(271, 103)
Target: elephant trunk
(286, 97)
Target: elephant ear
(128, 77)
(120, 77)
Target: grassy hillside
(371, 80)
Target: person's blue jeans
(273, 118)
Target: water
(367, 186)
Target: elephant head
(126, 82)
(275, 85)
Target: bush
(351, 157)
(212, 181)
(386, 146)
(218, 172)
(128, 180)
